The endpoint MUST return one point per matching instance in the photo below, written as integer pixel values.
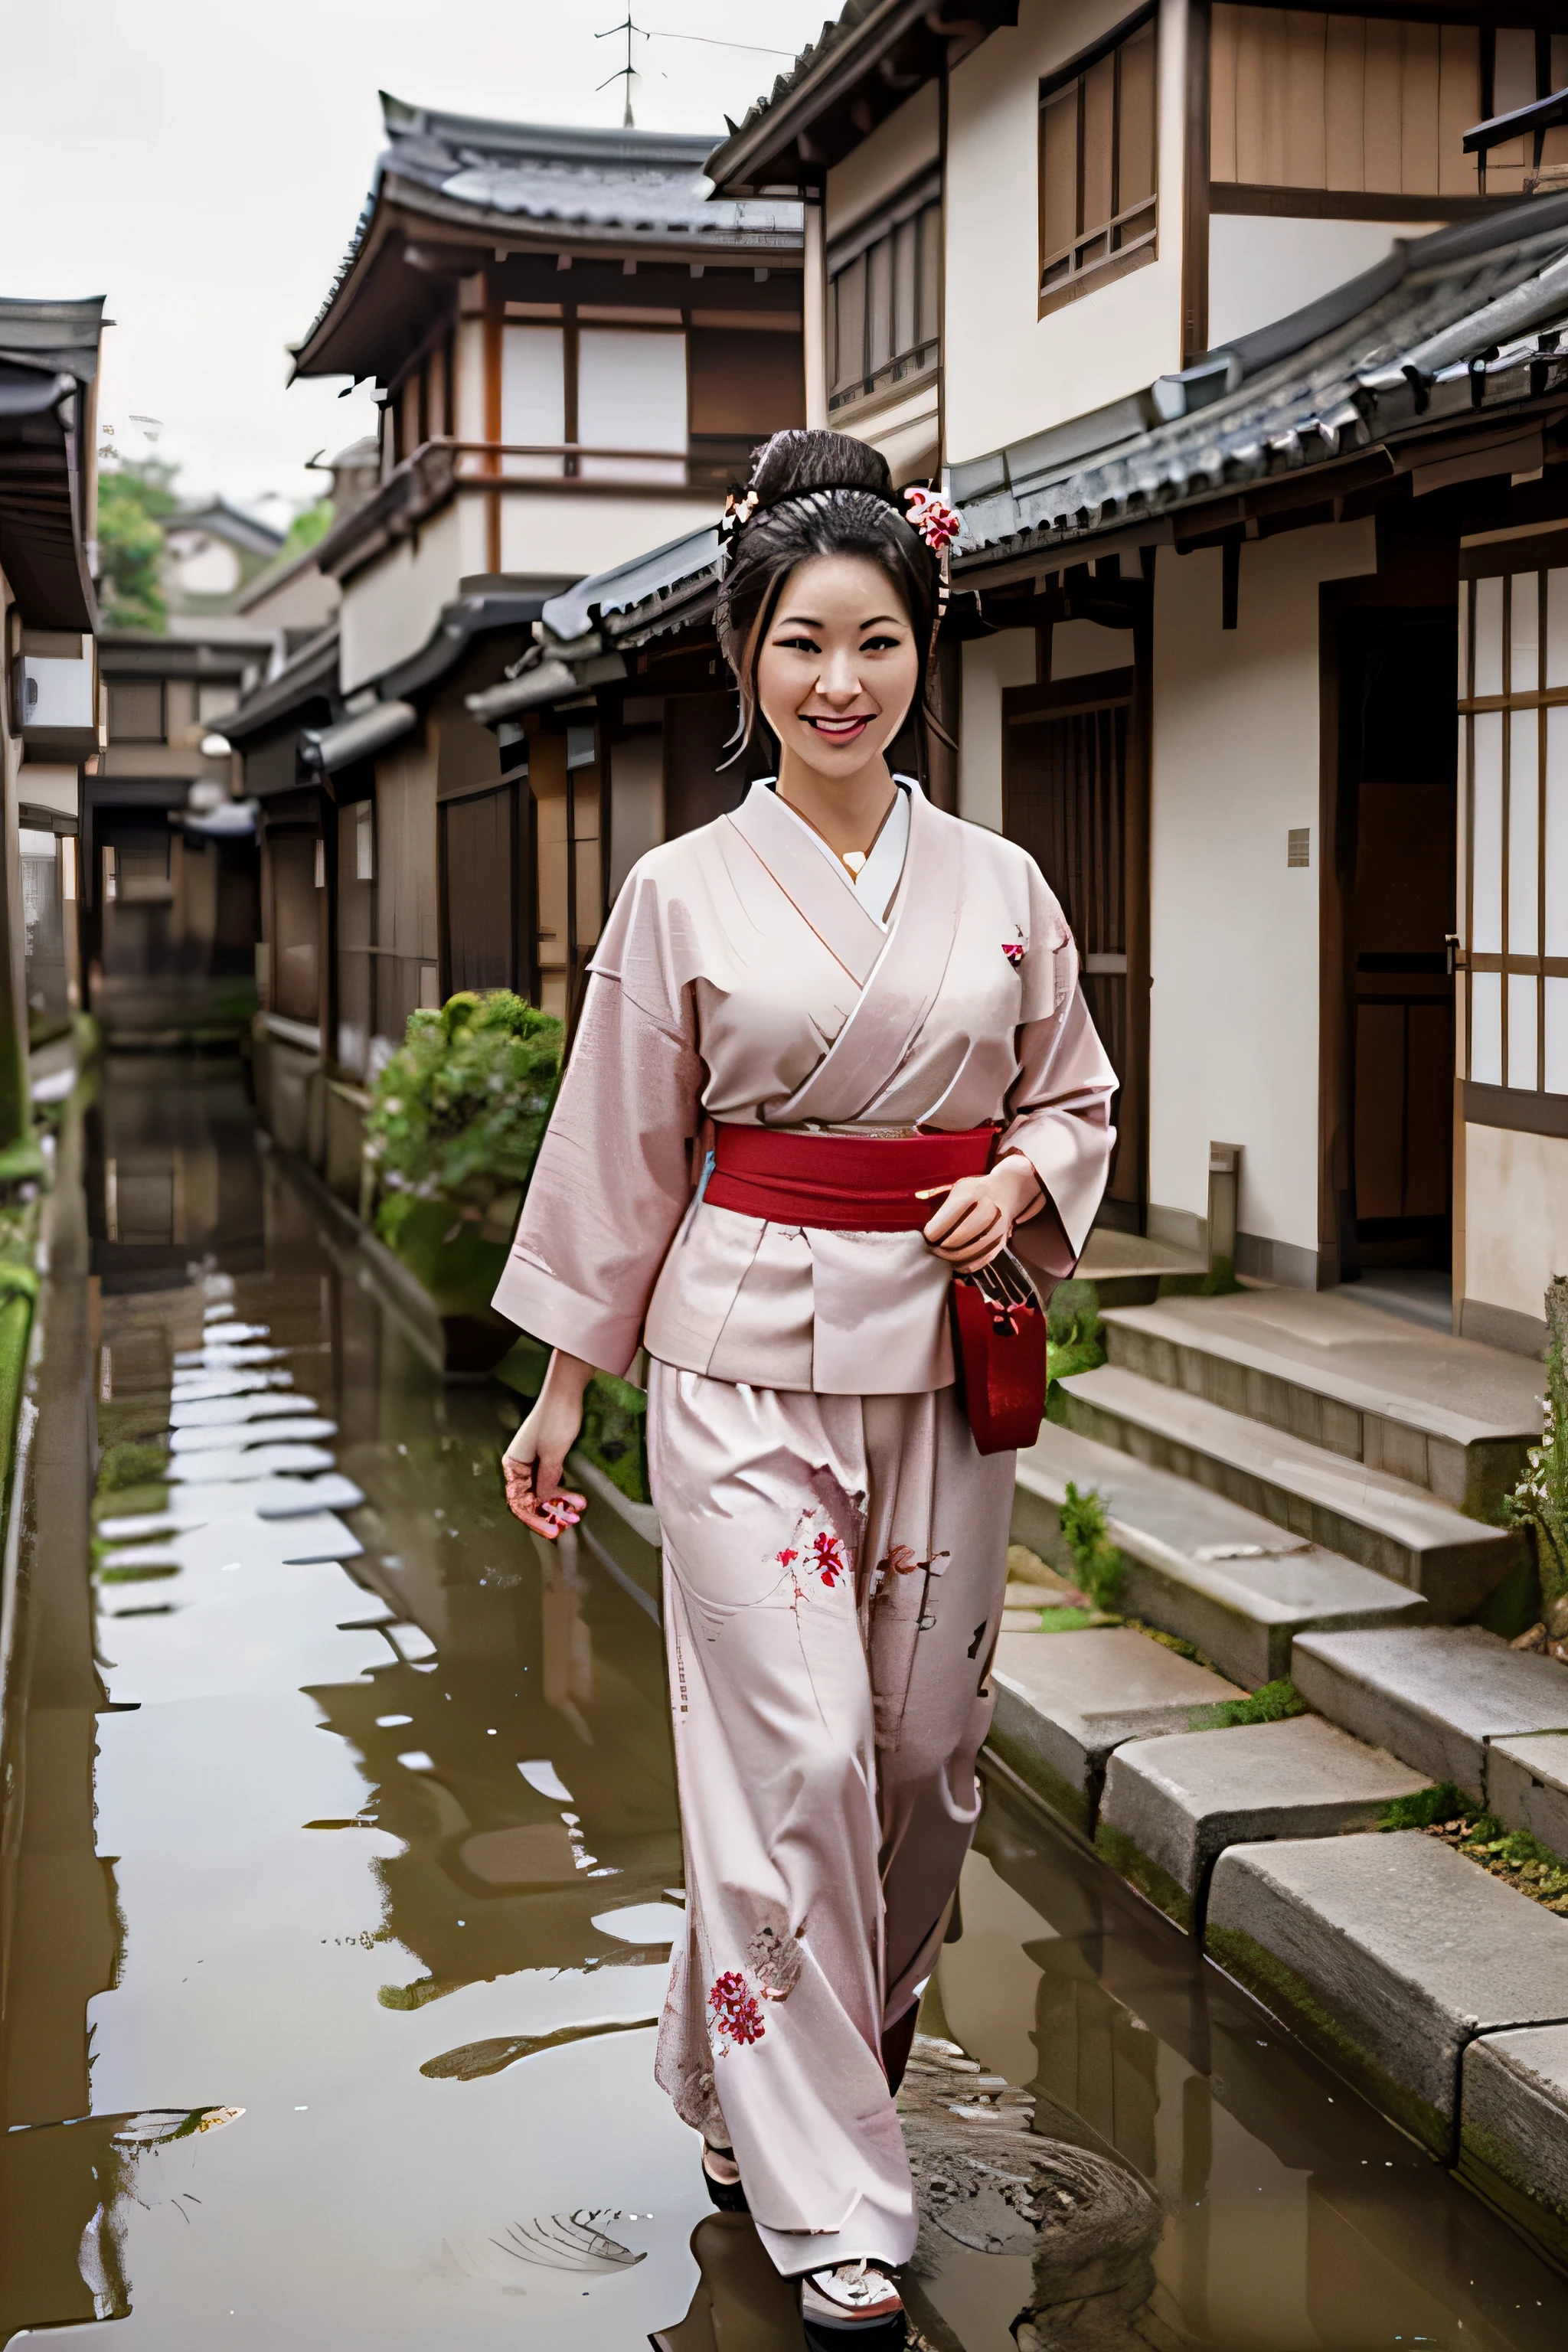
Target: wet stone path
(350, 1864)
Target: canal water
(345, 1870)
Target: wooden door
(478, 866)
(1070, 799)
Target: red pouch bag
(999, 1347)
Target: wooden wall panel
(1304, 128)
(1385, 59)
(1419, 108)
(1459, 106)
(1344, 103)
(480, 865)
(1222, 32)
(1347, 104)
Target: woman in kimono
(833, 1048)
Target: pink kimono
(833, 1544)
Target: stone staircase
(1374, 1443)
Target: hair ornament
(937, 523)
(736, 512)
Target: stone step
(1436, 1696)
(1388, 1955)
(1448, 1415)
(1171, 1805)
(1064, 1701)
(1514, 2128)
(1198, 1565)
(1383, 1522)
(1527, 1785)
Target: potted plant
(454, 1125)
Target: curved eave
(399, 200)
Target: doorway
(1072, 797)
(1395, 829)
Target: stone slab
(1199, 1565)
(1171, 1805)
(1384, 1522)
(1064, 1700)
(1514, 2128)
(1435, 1695)
(1527, 1785)
(1387, 1954)
(1449, 1414)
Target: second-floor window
(884, 295)
(1097, 168)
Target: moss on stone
(1295, 2002)
(1271, 1703)
(1128, 1859)
(1495, 2166)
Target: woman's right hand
(533, 1462)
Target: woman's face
(839, 668)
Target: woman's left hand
(976, 1220)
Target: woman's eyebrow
(796, 621)
(898, 621)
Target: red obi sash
(851, 1183)
(870, 1184)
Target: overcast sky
(203, 164)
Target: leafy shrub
(1098, 1565)
(458, 1111)
(1540, 1501)
(614, 1433)
(1073, 1342)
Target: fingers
(530, 1498)
(967, 1198)
(981, 1225)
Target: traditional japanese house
(575, 351)
(1245, 372)
(50, 710)
(168, 870)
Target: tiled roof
(1462, 322)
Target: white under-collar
(879, 878)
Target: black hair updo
(819, 493)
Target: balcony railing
(432, 473)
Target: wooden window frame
(1129, 253)
(920, 202)
(1530, 1109)
(159, 688)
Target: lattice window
(1098, 165)
(1513, 751)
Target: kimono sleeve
(614, 1174)
(1058, 1107)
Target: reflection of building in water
(537, 1662)
(176, 1175)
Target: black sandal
(729, 2196)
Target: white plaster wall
(1233, 931)
(561, 535)
(989, 665)
(390, 608)
(1010, 373)
(881, 165)
(1516, 1237)
(1261, 269)
(1079, 648)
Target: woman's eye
(882, 645)
(798, 646)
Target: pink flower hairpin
(937, 523)
(736, 512)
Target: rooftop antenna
(628, 72)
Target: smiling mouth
(841, 730)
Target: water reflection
(361, 1818)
